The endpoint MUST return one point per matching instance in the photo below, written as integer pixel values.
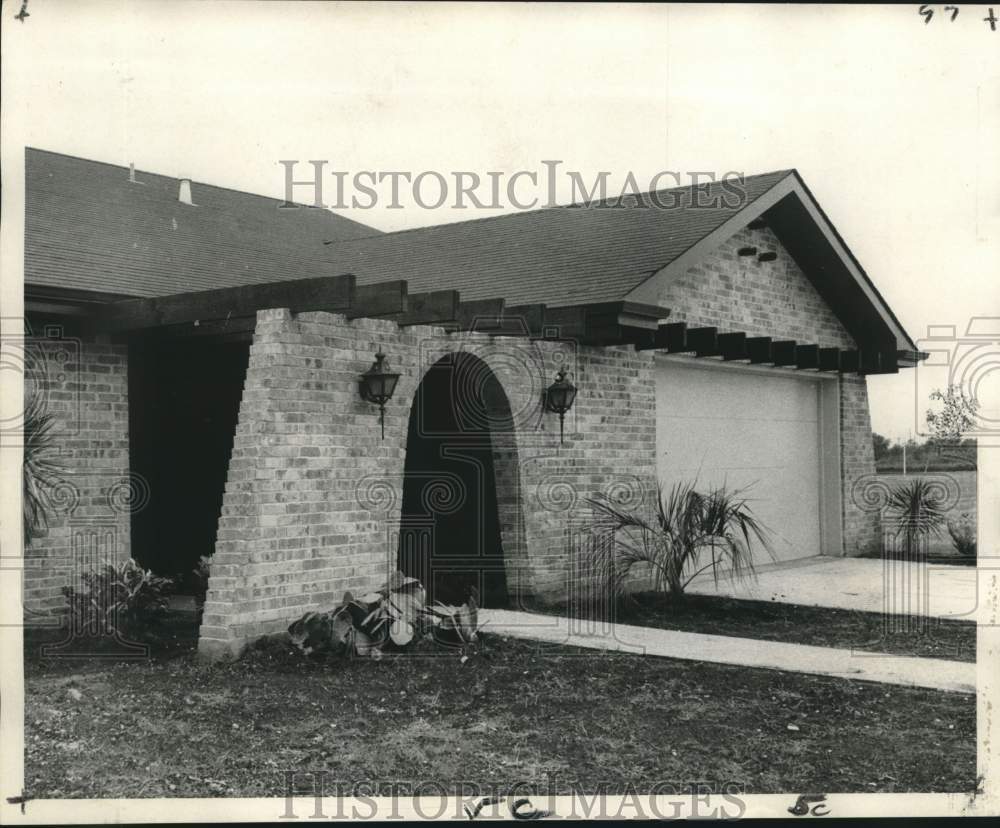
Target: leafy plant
(456, 626)
(121, 599)
(42, 472)
(963, 534)
(394, 615)
(686, 526)
(914, 512)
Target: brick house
(202, 350)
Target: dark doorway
(450, 529)
(184, 400)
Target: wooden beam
(676, 337)
(379, 299)
(807, 356)
(607, 323)
(480, 315)
(41, 307)
(878, 361)
(568, 322)
(659, 341)
(435, 307)
(829, 359)
(321, 293)
(703, 341)
(759, 349)
(523, 320)
(733, 346)
(784, 352)
(240, 329)
(849, 363)
(868, 361)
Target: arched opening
(459, 451)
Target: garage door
(746, 428)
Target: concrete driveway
(863, 584)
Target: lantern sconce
(377, 385)
(558, 398)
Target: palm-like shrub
(687, 527)
(914, 512)
(41, 471)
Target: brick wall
(313, 500)
(738, 293)
(84, 383)
(857, 460)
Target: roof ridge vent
(131, 174)
(184, 193)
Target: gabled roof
(88, 228)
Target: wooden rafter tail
(783, 352)
(480, 315)
(382, 299)
(807, 357)
(703, 341)
(436, 307)
(829, 359)
(523, 320)
(733, 346)
(759, 349)
(318, 293)
(849, 361)
(869, 361)
(676, 337)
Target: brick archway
(460, 505)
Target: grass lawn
(773, 621)
(172, 726)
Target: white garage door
(746, 428)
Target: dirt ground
(516, 713)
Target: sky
(893, 122)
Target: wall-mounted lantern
(559, 398)
(377, 385)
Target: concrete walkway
(864, 584)
(937, 674)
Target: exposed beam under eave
(677, 338)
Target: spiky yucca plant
(687, 523)
(41, 469)
(914, 511)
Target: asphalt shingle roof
(559, 256)
(88, 228)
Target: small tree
(957, 415)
